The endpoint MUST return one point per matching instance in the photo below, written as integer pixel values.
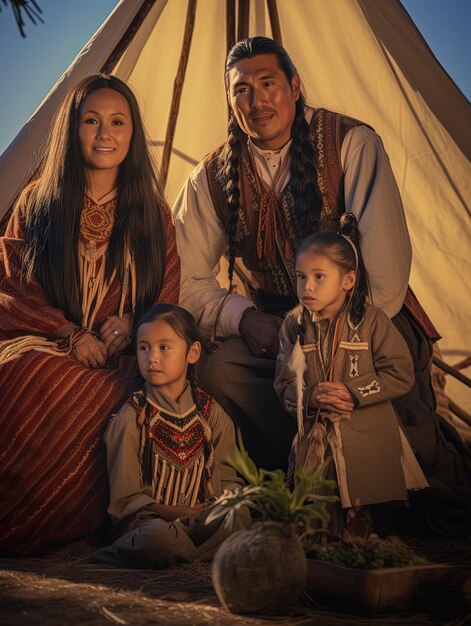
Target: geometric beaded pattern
(97, 221)
(179, 437)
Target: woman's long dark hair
(303, 173)
(54, 203)
(184, 324)
(336, 248)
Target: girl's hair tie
(355, 251)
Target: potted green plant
(263, 569)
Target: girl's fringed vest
(175, 452)
(275, 281)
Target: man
(285, 171)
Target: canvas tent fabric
(364, 58)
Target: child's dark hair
(340, 251)
(184, 324)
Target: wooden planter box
(373, 591)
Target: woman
(89, 247)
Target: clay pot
(260, 570)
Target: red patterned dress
(53, 410)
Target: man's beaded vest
(273, 283)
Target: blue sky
(30, 67)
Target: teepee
(361, 57)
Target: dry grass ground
(68, 588)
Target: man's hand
(260, 331)
(90, 351)
(114, 332)
(332, 396)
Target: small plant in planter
(371, 575)
(263, 569)
(367, 553)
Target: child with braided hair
(340, 364)
(166, 451)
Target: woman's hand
(114, 333)
(260, 331)
(332, 396)
(89, 351)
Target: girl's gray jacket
(374, 362)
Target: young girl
(341, 362)
(166, 452)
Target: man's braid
(230, 176)
(304, 175)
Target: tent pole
(230, 24)
(126, 39)
(452, 371)
(274, 21)
(457, 410)
(243, 25)
(177, 90)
